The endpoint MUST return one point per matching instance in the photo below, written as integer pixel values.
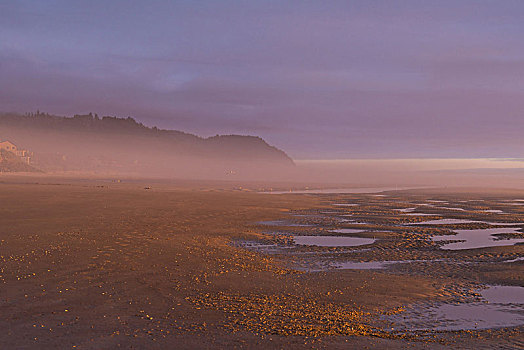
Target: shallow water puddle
(514, 260)
(481, 238)
(405, 210)
(458, 221)
(348, 230)
(503, 294)
(505, 223)
(332, 241)
(469, 317)
(504, 308)
(451, 208)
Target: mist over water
(141, 156)
(108, 146)
(415, 172)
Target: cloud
(337, 79)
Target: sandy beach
(97, 265)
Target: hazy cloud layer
(320, 79)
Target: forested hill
(89, 142)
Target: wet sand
(97, 265)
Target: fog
(82, 154)
(87, 145)
(107, 146)
(416, 172)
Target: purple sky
(320, 79)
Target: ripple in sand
(332, 241)
(372, 265)
(421, 214)
(354, 222)
(343, 190)
(348, 230)
(282, 223)
(444, 222)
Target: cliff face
(89, 143)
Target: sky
(319, 79)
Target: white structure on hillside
(22, 153)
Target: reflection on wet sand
(408, 245)
(480, 238)
(502, 306)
